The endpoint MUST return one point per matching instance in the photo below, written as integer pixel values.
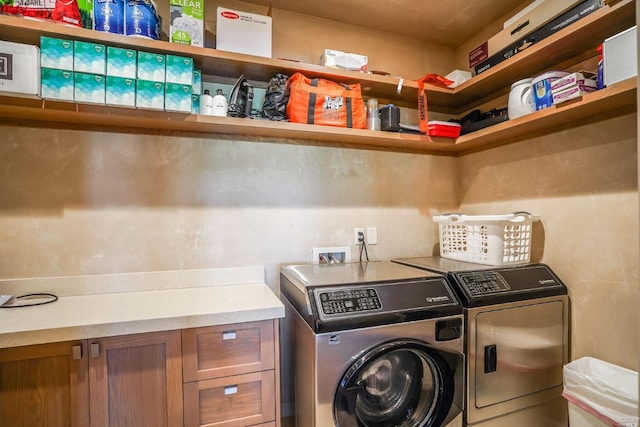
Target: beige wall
(75, 202)
(583, 184)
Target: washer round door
(398, 383)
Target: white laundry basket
(486, 239)
(600, 394)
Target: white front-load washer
(373, 344)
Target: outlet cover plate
(342, 253)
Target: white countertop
(100, 306)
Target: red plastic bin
(444, 129)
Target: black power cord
(363, 246)
(16, 303)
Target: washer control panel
(484, 283)
(344, 301)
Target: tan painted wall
(583, 184)
(76, 202)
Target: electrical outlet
(334, 255)
(356, 235)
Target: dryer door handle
(490, 358)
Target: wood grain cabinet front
(230, 375)
(44, 385)
(131, 380)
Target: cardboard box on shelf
(56, 84)
(151, 66)
(243, 32)
(89, 88)
(344, 60)
(19, 69)
(89, 57)
(537, 17)
(585, 8)
(56, 53)
(522, 24)
(149, 95)
(120, 91)
(121, 62)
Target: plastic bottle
(220, 105)
(600, 78)
(206, 103)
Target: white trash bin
(600, 394)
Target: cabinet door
(136, 380)
(44, 385)
(220, 351)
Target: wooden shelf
(581, 38)
(615, 100)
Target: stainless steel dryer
(373, 344)
(517, 341)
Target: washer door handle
(490, 358)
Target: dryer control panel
(484, 282)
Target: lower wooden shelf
(613, 101)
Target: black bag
(274, 106)
(241, 99)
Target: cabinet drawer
(238, 401)
(225, 350)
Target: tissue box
(57, 84)
(89, 88)
(151, 66)
(56, 53)
(149, 95)
(19, 70)
(196, 83)
(243, 32)
(120, 91)
(122, 62)
(89, 58)
(344, 60)
(177, 97)
(179, 69)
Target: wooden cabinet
(568, 46)
(230, 374)
(45, 385)
(136, 380)
(133, 380)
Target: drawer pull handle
(231, 389)
(229, 335)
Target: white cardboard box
(243, 32)
(19, 70)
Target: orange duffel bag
(323, 102)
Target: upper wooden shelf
(609, 102)
(578, 40)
